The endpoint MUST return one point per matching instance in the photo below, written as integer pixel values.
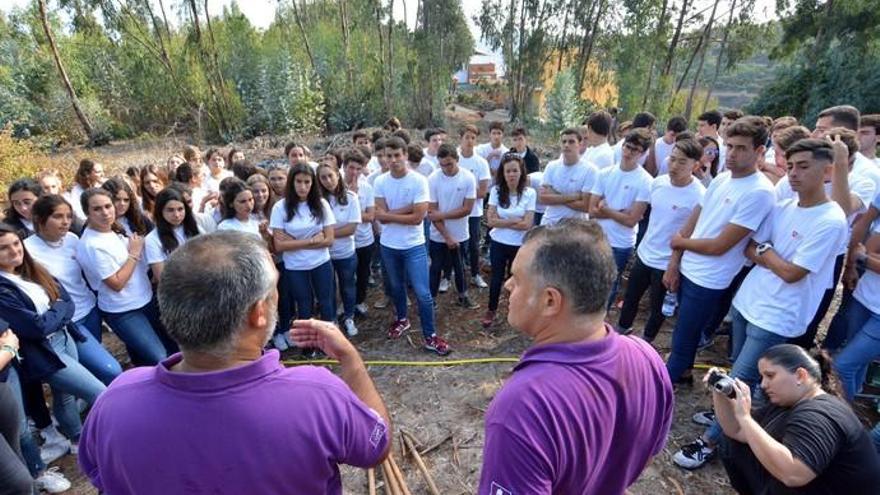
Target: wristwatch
(763, 248)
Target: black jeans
(500, 256)
(14, 476)
(837, 329)
(641, 278)
(362, 275)
(442, 256)
(473, 244)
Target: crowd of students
(749, 220)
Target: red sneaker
(398, 328)
(488, 319)
(437, 345)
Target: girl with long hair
(278, 178)
(302, 229)
(264, 197)
(175, 224)
(347, 212)
(22, 195)
(152, 179)
(511, 213)
(238, 208)
(707, 168)
(128, 209)
(54, 246)
(40, 311)
(114, 265)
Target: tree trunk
(585, 42)
(720, 55)
(223, 126)
(305, 37)
(702, 48)
(71, 93)
(659, 35)
(382, 73)
(594, 31)
(346, 44)
(676, 36)
(390, 63)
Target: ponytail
(817, 364)
(829, 381)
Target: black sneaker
(694, 455)
(704, 418)
(465, 302)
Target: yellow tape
(451, 362)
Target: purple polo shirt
(258, 428)
(577, 418)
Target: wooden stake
(391, 487)
(371, 481)
(421, 464)
(398, 476)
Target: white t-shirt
(662, 151)
(251, 226)
(671, 206)
(371, 179)
(722, 155)
(864, 167)
(516, 210)
(73, 197)
(601, 156)
(479, 167)
(618, 154)
(620, 190)
(744, 201)
(426, 168)
(302, 226)
(535, 179)
(102, 254)
(363, 234)
(343, 248)
(486, 150)
(373, 165)
(868, 288)
(60, 260)
(567, 179)
(435, 162)
(35, 292)
(450, 193)
(807, 237)
(401, 192)
(154, 252)
(212, 184)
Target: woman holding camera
(806, 439)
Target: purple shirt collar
(571, 353)
(267, 364)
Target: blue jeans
(345, 269)
(92, 354)
(304, 286)
(140, 330)
(863, 330)
(69, 383)
(30, 449)
(749, 343)
(412, 265)
(621, 258)
(696, 307)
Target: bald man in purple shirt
(224, 416)
(586, 408)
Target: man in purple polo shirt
(225, 417)
(586, 408)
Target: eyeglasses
(710, 151)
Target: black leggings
(641, 278)
(500, 256)
(14, 476)
(362, 275)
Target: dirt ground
(443, 407)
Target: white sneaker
(52, 481)
(280, 342)
(444, 285)
(360, 309)
(51, 435)
(339, 311)
(51, 452)
(479, 282)
(74, 448)
(382, 303)
(350, 327)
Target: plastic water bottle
(670, 302)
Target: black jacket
(531, 161)
(38, 359)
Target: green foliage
(561, 105)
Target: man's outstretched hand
(323, 335)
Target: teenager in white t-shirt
(535, 179)
(364, 238)
(619, 199)
(567, 182)
(114, 265)
(476, 165)
(347, 212)
(217, 170)
(511, 213)
(672, 198)
(452, 191)
(664, 145)
(89, 174)
(494, 149)
(54, 247)
(714, 239)
(128, 209)
(793, 252)
(302, 229)
(708, 124)
(401, 204)
(415, 157)
(238, 208)
(21, 196)
(435, 137)
(175, 224)
(598, 152)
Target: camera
(722, 384)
